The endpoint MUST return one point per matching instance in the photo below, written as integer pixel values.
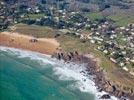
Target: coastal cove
(52, 46)
(28, 73)
(66, 50)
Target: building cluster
(117, 43)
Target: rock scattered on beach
(105, 96)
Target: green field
(121, 19)
(95, 15)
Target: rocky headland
(93, 68)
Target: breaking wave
(64, 71)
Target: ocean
(26, 75)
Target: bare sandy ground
(16, 40)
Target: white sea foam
(84, 82)
(63, 70)
(32, 55)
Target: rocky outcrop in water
(105, 96)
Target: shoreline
(51, 48)
(86, 81)
(75, 62)
(100, 80)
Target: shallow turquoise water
(27, 79)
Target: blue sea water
(26, 75)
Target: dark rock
(62, 54)
(105, 96)
(76, 53)
(100, 90)
(71, 53)
(69, 57)
(84, 80)
(114, 88)
(59, 56)
(57, 35)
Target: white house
(113, 60)
(105, 51)
(125, 68)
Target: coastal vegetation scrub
(33, 30)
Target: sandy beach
(16, 40)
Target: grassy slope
(36, 31)
(69, 43)
(121, 19)
(95, 15)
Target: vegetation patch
(33, 30)
(95, 15)
(35, 16)
(121, 19)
